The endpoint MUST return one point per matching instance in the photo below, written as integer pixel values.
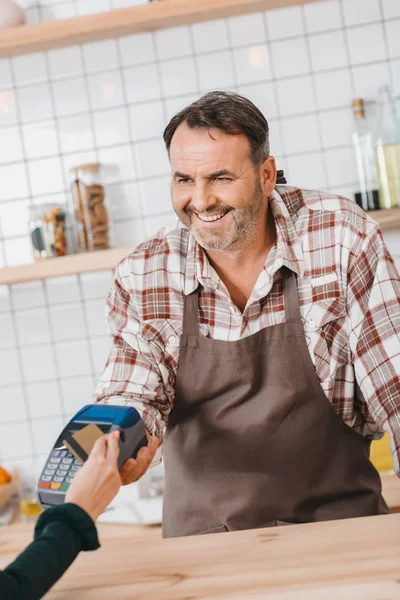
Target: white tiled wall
(109, 101)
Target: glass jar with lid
(90, 208)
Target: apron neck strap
(191, 312)
(290, 295)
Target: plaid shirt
(349, 293)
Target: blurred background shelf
(65, 265)
(387, 219)
(125, 21)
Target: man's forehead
(206, 147)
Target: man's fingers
(146, 454)
(151, 438)
(133, 469)
(129, 471)
(152, 442)
(128, 468)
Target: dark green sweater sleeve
(60, 534)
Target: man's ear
(268, 175)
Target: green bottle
(388, 150)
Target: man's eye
(183, 180)
(223, 179)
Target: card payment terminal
(61, 465)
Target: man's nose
(202, 199)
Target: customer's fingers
(113, 447)
(99, 448)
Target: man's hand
(134, 468)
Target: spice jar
(48, 229)
(90, 208)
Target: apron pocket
(219, 529)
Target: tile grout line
(88, 74)
(53, 346)
(22, 382)
(18, 347)
(156, 139)
(274, 80)
(317, 111)
(126, 105)
(389, 59)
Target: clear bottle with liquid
(388, 150)
(367, 196)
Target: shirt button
(172, 339)
(311, 324)
(232, 309)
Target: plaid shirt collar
(288, 252)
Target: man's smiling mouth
(209, 218)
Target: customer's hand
(98, 481)
(134, 468)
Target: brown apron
(253, 441)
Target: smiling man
(258, 338)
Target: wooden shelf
(387, 219)
(146, 17)
(66, 265)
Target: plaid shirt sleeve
(135, 373)
(374, 338)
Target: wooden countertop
(391, 491)
(354, 558)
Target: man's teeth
(212, 218)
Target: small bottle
(48, 224)
(388, 150)
(367, 196)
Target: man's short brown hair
(229, 112)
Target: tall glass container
(90, 208)
(388, 150)
(367, 195)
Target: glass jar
(90, 208)
(29, 508)
(48, 230)
(28, 505)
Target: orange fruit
(5, 476)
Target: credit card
(81, 442)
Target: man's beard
(244, 223)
